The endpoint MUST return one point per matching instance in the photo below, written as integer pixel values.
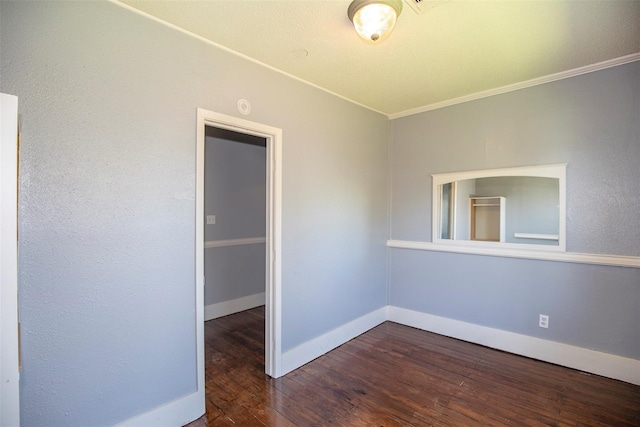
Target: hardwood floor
(395, 375)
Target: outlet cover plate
(544, 321)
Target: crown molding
(238, 54)
(522, 85)
(391, 116)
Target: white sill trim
(597, 259)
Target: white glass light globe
(374, 21)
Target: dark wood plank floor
(395, 375)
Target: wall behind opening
(235, 192)
(591, 123)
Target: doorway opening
(210, 123)
(235, 222)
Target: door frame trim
(9, 355)
(273, 325)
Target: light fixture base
(359, 4)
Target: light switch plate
(211, 219)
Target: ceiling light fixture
(374, 19)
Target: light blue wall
(594, 307)
(108, 110)
(235, 189)
(233, 272)
(235, 192)
(591, 123)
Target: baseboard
(176, 413)
(595, 362)
(312, 349)
(213, 311)
(607, 365)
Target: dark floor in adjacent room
(395, 375)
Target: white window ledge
(598, 259)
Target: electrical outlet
(544, 321)
(211, 219)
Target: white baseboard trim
(190, 407)
(312, 349)
(213, 311)
(607, 365)
(176, 413)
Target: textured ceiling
(451, 50)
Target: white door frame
(9, 360)
(273, 136)
(192, 406)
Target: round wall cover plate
(244, 107)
